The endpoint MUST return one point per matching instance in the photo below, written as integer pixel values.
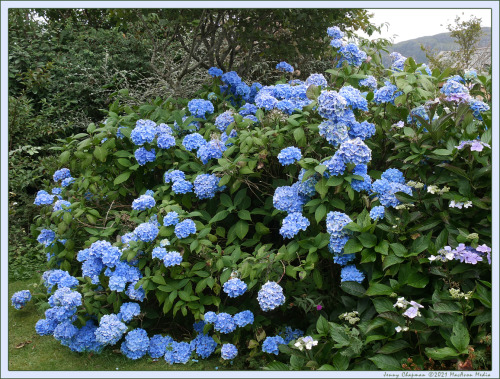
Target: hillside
(440, 42)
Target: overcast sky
(414, 23)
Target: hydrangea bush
(329, 205)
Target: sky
(413, 23)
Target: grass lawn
(29, 351)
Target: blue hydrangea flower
(59, 278)
(337, 43)
(234, 287)
(110, 330)
(355, 151)
(335, 165)
(336, 244)
(66, 182)
(248, 109)
(144, 132)
(228, 351)
(20, 298)
(143, 202)
(393, 175)
(128, 311)
(354, 98)
(306, 187)
(289, 155)
(224, 323)
(452, 87)
(425, 68)
(187, 128)
(45, 327)
(146, 232)
(290, 334)
(212, 149)
(61, 205)
(210, 317)
(350, 273)
(171, 218)
(193, 141)
(331, 105)
(265, 101)
(203, 345)
(136, 344)
(292, 224)
(336, 221)
(362, 130)
(172, 176)
(172, 258)
(251, 118)
(65, 297)
(369, 82)
(470, 75)
(335, 133)
(317, 80)
(215, 72)
(352, 55)
(46, 237)
(231, 78)
(199, 108)
(206, 186)
(185, 228)
(288, 199)
(270, 296)
(284, 67)
(223, 120)
(286, 106)
(377, 213)
(335, 32)
(478, 107)
(143, 156)
(158, 345)
(243, 318)
(135, 294)
(84, 340)
(178, 352)
(165, 141)
(182, 186)
(361, 185)
(270, 344)
(61, 174)
(64, 332)
(386, 94)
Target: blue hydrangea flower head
(171, 218)
(210, 317)
(286, 106)
(135, 294)
(243, 318)
(284, 67)
(172, 258)
(354, 98)
(224, 323)
(290, 334)
(386, 94)
(317, 80)
(248, 109)
(178, 352)
(453, 87)
(128, 311)
(212, 149)
(335, 32)
(393, 175)
(20, 298)
(146, 232)
(136, 344)
(266, 101)
(199, 108)
(352, 55)
(228, 351)
(270, 296)
(61, 174)
(203, 345)
(110, 330)
(306, 187)
(335, 133)
(143, 156)
(158, 345)
(143, 202)
(377, 213)
(336, 221)
(171, 176)
(215, 72)
(61, 205)
(270, 344)
(369, 82)
(470, 75)
(185, 228)
(289, 155)
(350, 273)
(66, 182)
(355, 151)
(288, 199)
(193, 141)
(46, 237)
(292, 224)
(478, 107)
(182, 186)
(144, 132)
(206, 186)
(335, 165)
(331, 105)
(362, 130)
(223, 120)
(234, 287)
(231, 78)
(165, 141)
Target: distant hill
(440, 42)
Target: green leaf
(441, 354)
(241, 229)
(299, 135)
(122, 177)
(322, 188)
(386, 362)
(460, 337)
(340, 361)
(417, 280)
(244, 215)
(277, 366)
(100, 153)
(446, 308)
(64, 157)
(399, 249)
(352, 246)
(382, 247)
(393, 347)
(378, 289)
(442, 152)
(353, 288)
(320, 213)
(219, 216)
(390, 260)
(322, 325)
(383, 304)
(367, 240)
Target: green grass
(29, 351)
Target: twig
(282, 275)
(106, 218)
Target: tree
(467, 35)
